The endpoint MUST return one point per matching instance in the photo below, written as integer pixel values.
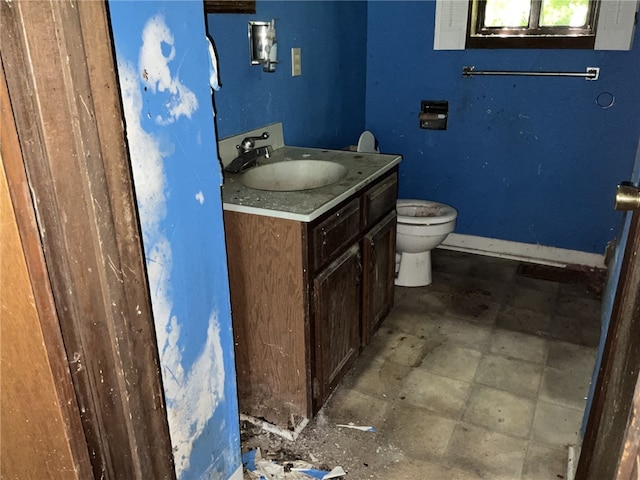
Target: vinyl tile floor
(481, 375)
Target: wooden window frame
(531, 36)
(229, 6)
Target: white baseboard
(237, 475)
(525, 252)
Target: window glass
(564, 13)
(507, 13)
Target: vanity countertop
(306, 205)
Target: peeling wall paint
(162, 61)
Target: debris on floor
(356, 427)
(262, 469)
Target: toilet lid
(424, 212)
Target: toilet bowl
(422, 225)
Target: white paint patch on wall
(153, 65)
(192, 395)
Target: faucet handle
(248, 143)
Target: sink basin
(293, 175)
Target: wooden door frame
(58, 62)
(12, 162)
(610, 446)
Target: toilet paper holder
(434, 114)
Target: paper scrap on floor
(261, 469)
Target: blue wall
(163, 70)
(532, 160)
(324, 107)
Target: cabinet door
(337, 322)
(379, 253)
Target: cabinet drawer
(335, 232)
(380, 199)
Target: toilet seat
(424, 212)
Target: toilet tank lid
(424, 212)
(367, 143)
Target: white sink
(292, 175)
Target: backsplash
(227, 147)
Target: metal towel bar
(592, 73)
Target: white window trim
(616, 24)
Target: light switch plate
(296, 62)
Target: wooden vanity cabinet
(305, 297)
(336, 315)
(379, 264)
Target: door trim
(612, 414)
(12, 162)
(60, 73)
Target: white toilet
(422, 226)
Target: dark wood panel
(337, 321)
(611, 412)
(33, 440)
(629, 465)
(379, 261)
(229, 6)
(379, 199)
(11, 157)
(335, 232)
(270, 321)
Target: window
(614, 29)
(532, 24)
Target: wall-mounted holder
(434, 114)
(263, 45)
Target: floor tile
(457, 331)
(453, 361)
(451, 262)
(375, 376)
(410, 320)
(499, 411)
(412, 469)
(483, 290)
(584, 308)
(544, 463)
(416, 432)
(493, 268)
(348, 405)
(571, 358)
(592, 290)
(441, 395)
(556, 426)
(564, 388)
(575, 330)
(428, 300)
(486, 454)
(515, 376)
(537, 284)
(480, 375)
(384, 342)
(409, 350)
(518, 345)
(524, 320)
(457, 474)
(474, 310)
(532, 299)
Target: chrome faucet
(249, 154)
